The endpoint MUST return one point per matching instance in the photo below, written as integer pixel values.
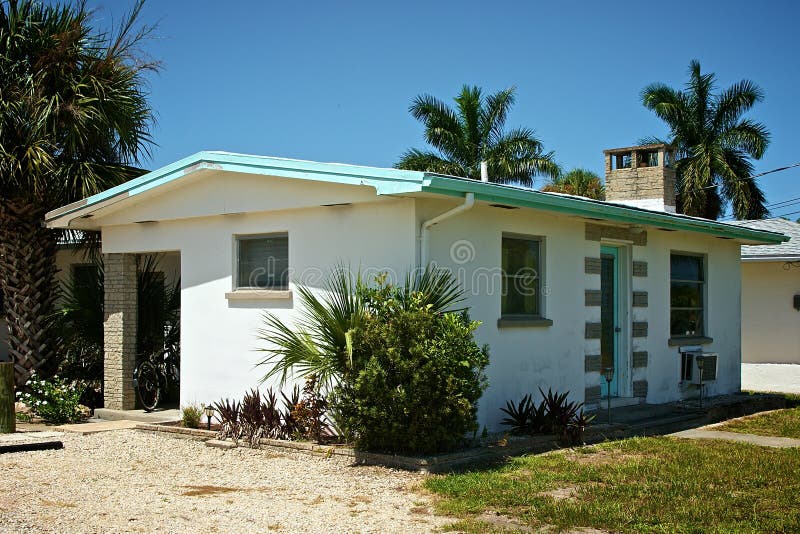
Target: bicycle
(157, 374)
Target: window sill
(515, 322)
(694, 340)
(259, 294)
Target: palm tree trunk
(27, 280)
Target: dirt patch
(500, 521)
(565, 493)
(606, 458)
(198, 491)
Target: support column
(119, 330)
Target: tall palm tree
(474, 132)
(74, 120)
(579, 182)
(715, 143)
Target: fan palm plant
(474, 132)
(715, 143)
(579, 182)
(74, 120)
(319, 344)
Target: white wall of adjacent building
(770, 324)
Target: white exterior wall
(723, 320)
(770, 324)
(525, 358)
(219, 336)
(521, 358)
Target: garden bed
(490, 453)
(500, 448)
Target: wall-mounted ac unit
(690, 371)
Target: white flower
(44, 402)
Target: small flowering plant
(54, 400)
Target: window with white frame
(262, 262)
(687, 295)
(521, 262)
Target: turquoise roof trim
(385, 181)
(396, 181)
(593, 209)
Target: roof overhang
(397, 182)
(385, 181)
(764, 259)
(594, 209)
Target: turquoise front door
(609, 315)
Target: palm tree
(474, 132)
(579, 182)
(715, 143)
(74, 119)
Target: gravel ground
(131, 481)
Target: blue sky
(332, 81)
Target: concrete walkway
(160, 415)
(764, 441)
(94, 426)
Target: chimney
(642, 176)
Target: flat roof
(627, 149)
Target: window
(621, 161)
(263, 262)
(86, 275)
(521, 277)
(687, 295)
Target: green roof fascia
(385, 181)
(501, 194)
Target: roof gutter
(469, 202)
(497, 193)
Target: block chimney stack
(642, 176)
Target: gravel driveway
(137, 482)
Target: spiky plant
(74, 120)
(715, 143)
(318, 343)
(473, 132)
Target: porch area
(150, 281)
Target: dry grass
(635, 485)
(780, 423)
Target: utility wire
(785, 214)
(778, 205)
(751, 177)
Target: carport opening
(158, 323)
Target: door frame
(623, 372)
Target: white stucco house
(564, 286)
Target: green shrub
(417, 375)
(54, 400)
(191, 415)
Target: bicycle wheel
(148, 386)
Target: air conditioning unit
(690, 371)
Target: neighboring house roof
(787, 251)
(396, 181)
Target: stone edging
(426, 464)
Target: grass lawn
(783, 423)
(636, 485)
